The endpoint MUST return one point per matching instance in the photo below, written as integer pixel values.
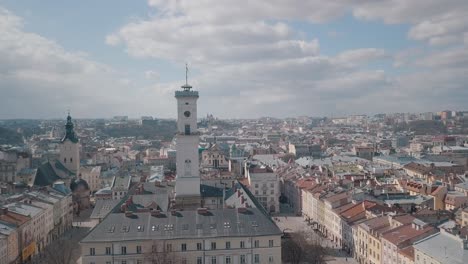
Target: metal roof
(183, 224)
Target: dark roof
(184, 224)
(45, 175)
(210, 191)
(78, 182)
(69, 132)
(103, 208)
(58, 165)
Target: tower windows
(187, 129)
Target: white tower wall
(187, 189)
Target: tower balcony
(186, 93)
(188, 134)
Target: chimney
(242, 210)
(4, 211)
(156, 213)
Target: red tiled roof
(407, 252)
(404, 233)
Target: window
(92, 251)
(108, 262)
(199, 260)
(227, 260)
(168, 247)
(71, 159)
(256, 185)
(272, 192)
(64, 160)
(271, 259)
(123, 262)
(257, 258)
(199, 246)
(256, 243)
(184, 261)
(213, 260)
(272, 185)
(183, 247)
(242, 259)
(213, 245)
(242, 244)
(270, 243)
(187, 129)
(228, 245)
(139, 261)
(138, 249)
(124, 251)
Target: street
(297, 224)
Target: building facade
(191, 237)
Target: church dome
(76, 183)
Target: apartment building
(264, 184)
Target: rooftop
(183, 224)
(443, 247)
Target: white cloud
(249, 62)
(39, 78)
(152, 75)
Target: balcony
(186, 94)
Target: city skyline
(247, 60)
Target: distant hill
(161, 129)
(10, 137)
(423, 127)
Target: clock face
(186, 113)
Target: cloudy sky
(247, 58)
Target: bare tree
(58, 252)
(299, 249)
(161, 253)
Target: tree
(301, 249)
(161, 253)
(58, 252)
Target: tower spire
(186, 87)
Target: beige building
(91, 176)
(264, 184)
(197, 236)
(401, 237)
(9, 251)
(214, 158)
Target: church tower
(70, 148)
(187, 189)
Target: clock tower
(187, 189)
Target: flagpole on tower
(186, 74)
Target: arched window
(188, 167)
